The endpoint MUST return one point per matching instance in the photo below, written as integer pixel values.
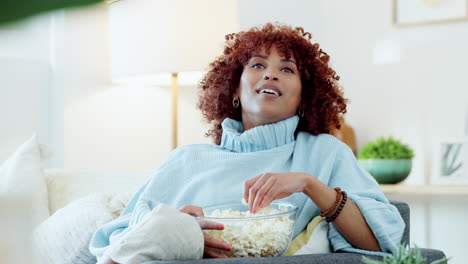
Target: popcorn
(244, 202)
(262, 237)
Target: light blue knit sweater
(205, 174)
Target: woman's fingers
(275, 192)
(254, 186)
(212, 253)
(265, 189)
(209, 225)
(257, 188)
(247, 186)
(212, 246)
(214, 243)
(198, 211)
(192, 210)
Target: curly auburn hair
(321, 100)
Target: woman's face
(270, 89)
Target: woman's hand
(212, 246)
(261, 190)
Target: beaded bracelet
(335, 204)
(342, 204)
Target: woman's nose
(267, 77)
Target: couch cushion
(65, 186)
(313, 240)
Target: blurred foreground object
(12, 10)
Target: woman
(273, 100)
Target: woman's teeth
(269, 91)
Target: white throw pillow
(22, 178)
(67, 185)
(313, 240)
(64, 237)
(318, 242)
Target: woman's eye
(287, 69)
(258, 66)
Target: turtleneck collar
(258, 138)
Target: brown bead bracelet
(342, 204)
(334, 206)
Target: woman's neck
(249, 122)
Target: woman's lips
(269, 89)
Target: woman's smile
(270, 88)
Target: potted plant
(405, 255)
(388, 160)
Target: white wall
(192, 126)
(48, 63)
(22, 115)
(119, 129)
(85, 52)
(25, 82)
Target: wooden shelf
(425, 189)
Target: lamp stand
(175, 95)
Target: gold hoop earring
(236, 102)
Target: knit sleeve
(112, 231)
(135, 212)
(382, 217)
(141, 205)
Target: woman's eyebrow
(266, 57)
(260, 56)
(289, 60)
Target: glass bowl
(267, 233)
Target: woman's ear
(236, 94)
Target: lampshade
(150, 37)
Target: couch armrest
(404, 210)
(332, 258)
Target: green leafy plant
(386, 148)
(405, 255)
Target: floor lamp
(150, 38)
